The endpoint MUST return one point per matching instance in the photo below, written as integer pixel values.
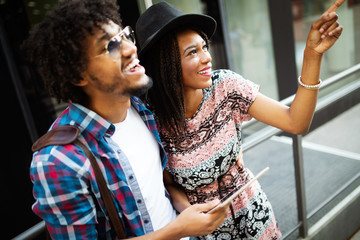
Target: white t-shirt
(143, 153)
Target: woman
(199, 113)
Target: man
(87, 59)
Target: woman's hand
(325, 31)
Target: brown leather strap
(104, 191)
(63, 135)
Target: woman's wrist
(310, 87)
(309, 52)
(310, 73)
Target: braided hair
(56, 47)
(163, 64)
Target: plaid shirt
(67, 195)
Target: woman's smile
(206, 72)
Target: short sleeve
(238, 90)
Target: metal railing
(265, 134)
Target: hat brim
(203, 22)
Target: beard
(139, 90)
(127, 91)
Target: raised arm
(297, 118)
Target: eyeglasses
(114, 45)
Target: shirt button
(139, 201)
(146, 221)
(131, 177)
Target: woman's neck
(192, 100)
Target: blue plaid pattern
(66, 193)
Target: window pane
(248, 23)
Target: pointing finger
(335, 6)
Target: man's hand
(325, 31)
(195, 222)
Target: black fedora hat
(163, 17)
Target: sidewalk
(356, 236)
(343, 132)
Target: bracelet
(310, 87)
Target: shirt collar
(93, 123)
(138, 104)
(90, 121)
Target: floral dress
(205, 160)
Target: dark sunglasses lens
(114, 47)
(130, 36)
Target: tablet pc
(232, 195)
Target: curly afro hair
(57, 48)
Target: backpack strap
(63, 135)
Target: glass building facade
(261, 40)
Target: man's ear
(83, 82)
